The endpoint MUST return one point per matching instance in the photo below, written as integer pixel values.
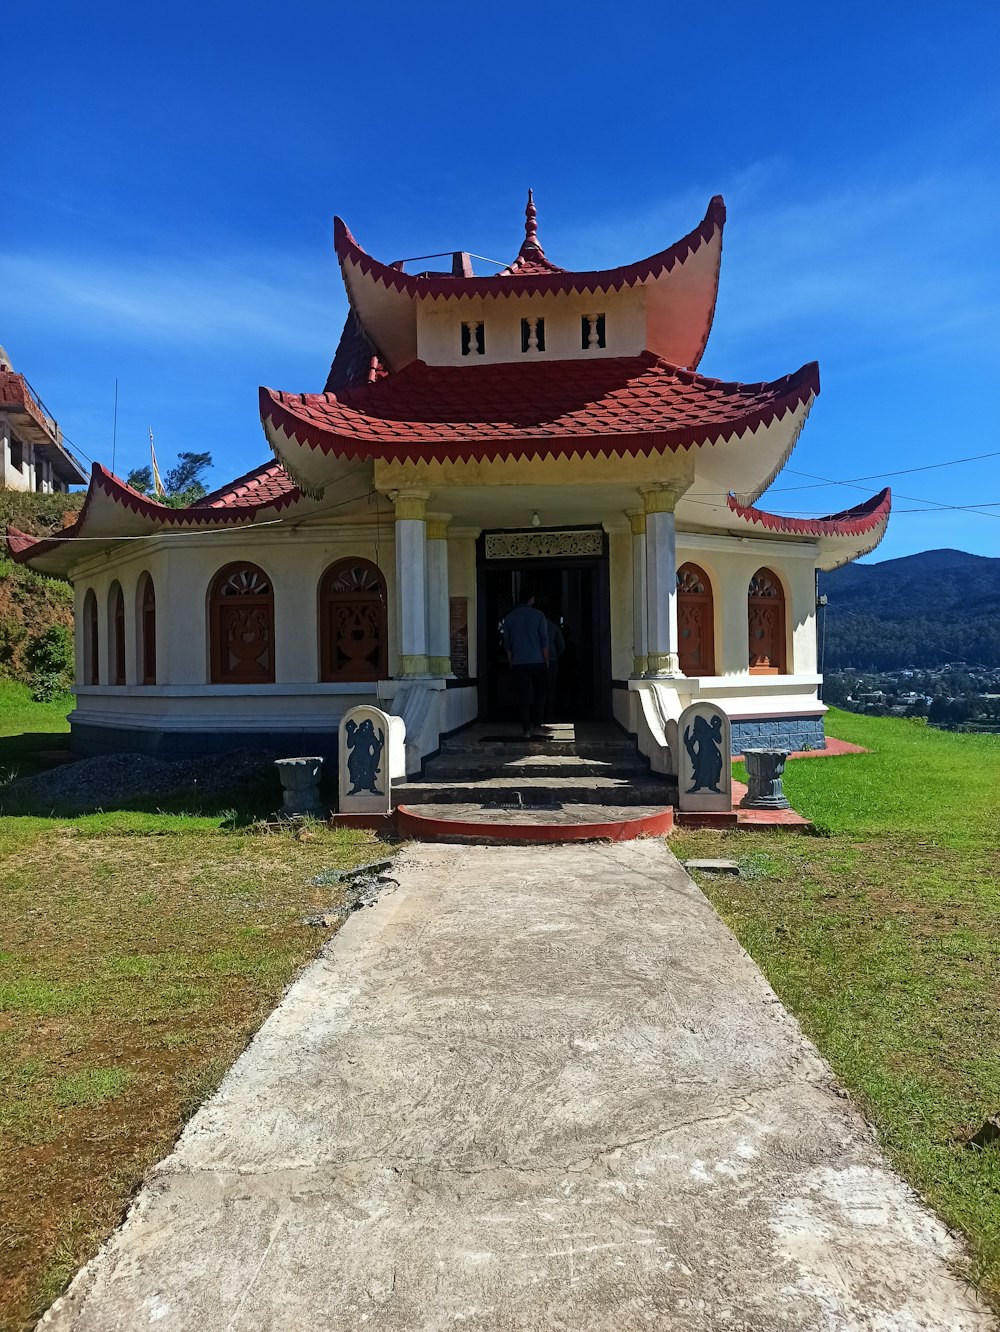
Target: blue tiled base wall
(88, 739)
(789, 733)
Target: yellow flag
(157, 479)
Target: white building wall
(439, 326)
(182, 569)
(11, 477)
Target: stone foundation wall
(788, 733)
(88, 740)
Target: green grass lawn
(883, 937)
(139, 952)
(27, 727)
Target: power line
(933, 505)
(881, 476)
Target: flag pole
(157, 480)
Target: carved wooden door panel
(766, 624)
(242, 627)
(353, 623)
(695, 621)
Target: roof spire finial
(530, 225)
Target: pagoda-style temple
(477, 435)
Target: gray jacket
(525, 635)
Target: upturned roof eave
(526, 284)
(113, 511)
(380, 436)
(842, 537)
(383, 297)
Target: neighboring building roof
(681, 284)
(20, 402)
(626, 404)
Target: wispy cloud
(881, 260)
(291, 304)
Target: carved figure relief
(353, 636)
(695, 621)
(364, 755)
(242, 625)
(703, 742)
(766, 624)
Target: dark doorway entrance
(575, 594)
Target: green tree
(182, 483)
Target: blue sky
(170, 178)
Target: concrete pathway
(528, 1089)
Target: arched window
(766, 624)
(116, 634)
(352, 622)
(146, 620)
(695, 621)
(241, 626)
(91, 650)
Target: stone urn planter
(300, 786)
(764, 772)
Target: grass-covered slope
(30, 603)
(884, 939)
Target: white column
(661, 582)
(4, 452)
(438, 605)
(411, 580)
(638, 524)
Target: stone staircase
(490, 766)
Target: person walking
(526, 642)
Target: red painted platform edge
(621, 830)
(707, 818)
(377, 822)
(771, 818)
(834, 748)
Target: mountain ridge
(916, 610)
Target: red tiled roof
(528, 280)
(266, 485)
(635, 404)
(857, 521)
(355, 360)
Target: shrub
(47, 687)
(49, 660)
(50, 651)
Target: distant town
(953, 697)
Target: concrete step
(552, 745)
(454, 767)
(569, 823)
(503, 789)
